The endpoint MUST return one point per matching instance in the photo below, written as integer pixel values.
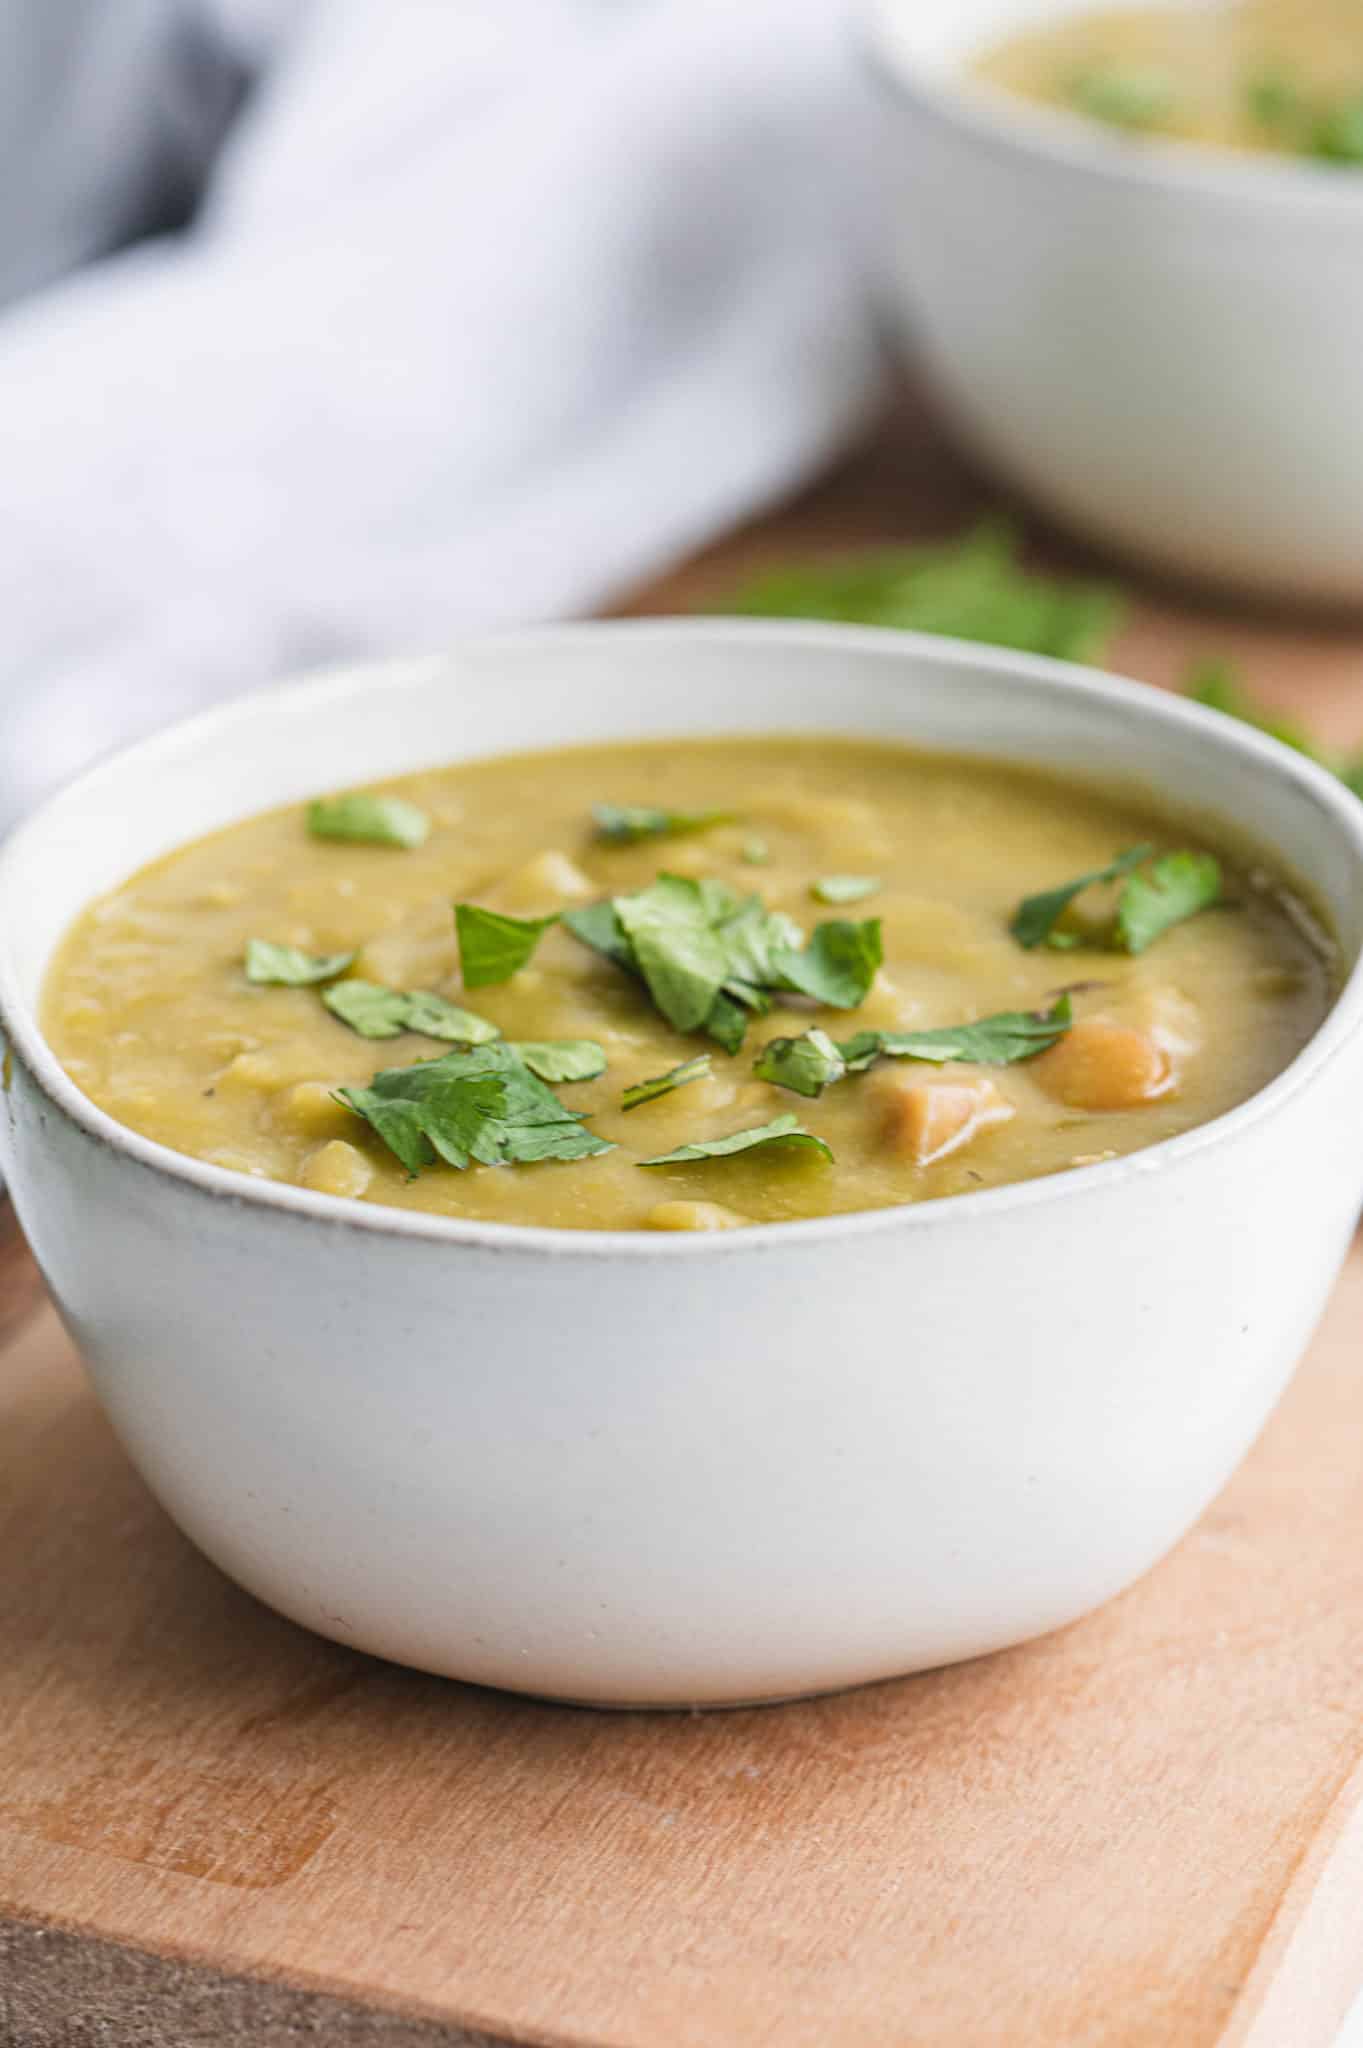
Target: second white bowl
(1160, 343)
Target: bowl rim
(22, 1037)
(1006, 124)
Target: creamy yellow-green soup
(1284, 76)
(837, 911)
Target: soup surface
(1279, 75)
(922, 857)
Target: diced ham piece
(925, 1117)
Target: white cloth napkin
(489, 308)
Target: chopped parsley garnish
(290, 966)
(1217, 685)
(1035, 918)
(1130, 96)
(370, 820)
(493, 946)
(626, 824)
(1337, 137)
(663, 1084)
(755, 852)
(996, 1041)
(562, 1059)
(783, 1130)
(673, 938)
(709, 956)
(844, 888)
(813, 1061)
(838, 965)
(1304, 123)
(378, 1012)
(1276, 103)
(973, 589)
(806, 1065)
(1175, 887)
(484, 1104)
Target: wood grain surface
(1143, 1832)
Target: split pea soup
(1277, 76)
(688, 985)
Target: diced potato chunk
(260, 1072)
(1099, 1065)
(312, 1109)
(693, 1216)
(926, 1116)
(419, 952)
(540, 885)
(337, 1169)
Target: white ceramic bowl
(1159, 343)
(636, 1468)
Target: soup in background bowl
(665, 1466)
(1158, 344)
(1283, 77)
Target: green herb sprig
(289, 966)
(368, 820)
(483, 1104)
(974, 588)
(375, 1011)
(663, 1084)
(709, 957)
(627, 824)
(1035, 918)
(1137, 98)
(1172, 888)
(814, 1061)
(493, 946)
(844, 888)
(782, 1130)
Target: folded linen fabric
(480, 313)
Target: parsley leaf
(844, 888)
(598, 927)
(1217, 685)
(289, 966)
(483, 1104)
(806, 1065)
(372, 820)
(756, 941)
(813, 1062)
(755, 852)
(663, 1084)
(379, 1012)
(784, 1130)
(1274, 101)
(626, 824)
(1338, 134)
(493, 946)
(1036, 915)
(973, 589)
(675, 947)
(1177, 886)
(1130, 96)
(989, 1042)
(709, 956)
(562, 1059)
(838, 965)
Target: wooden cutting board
(1144, 1832)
